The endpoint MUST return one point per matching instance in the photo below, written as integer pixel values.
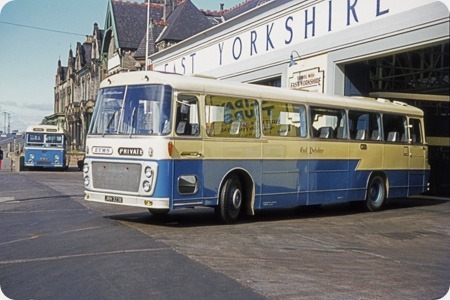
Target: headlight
(148, 172)
(31, 156)
(56, 157)
(87, 180)
(86, 168)
(147, 186)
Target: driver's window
(187, 120)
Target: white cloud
(22, 115)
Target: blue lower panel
(283, 183)
(164, 184)
(418, 182)
(194, 170)
(398, 183)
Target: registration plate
(114, 199)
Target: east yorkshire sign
(307, 80)
(319, 19)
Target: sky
(34, 34)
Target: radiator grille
(116, 176)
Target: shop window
(275, 82)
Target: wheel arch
(248, 186)
(383, 175)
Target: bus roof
(223, 87)
(45, 129)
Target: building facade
(76, 87)
(339, 47)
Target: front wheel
(376, 194)
(230, 200)
(159, 212)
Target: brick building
(76, 87)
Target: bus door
(418, 157)
(187, 152)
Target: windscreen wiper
(132, 120)
(109, 123)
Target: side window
(283, 119)
(232, 117)
(394, 128)
(328, 123)
(364, 126)
(187, 121)
(415, 131)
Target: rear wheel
(376, 193)
(230, 200)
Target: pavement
(6, 165)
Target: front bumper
(126, 200)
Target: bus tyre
(159, 212)
(230, 201)
(376, 194)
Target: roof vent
(400, 103)
(203, 76)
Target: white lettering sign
(325, 17)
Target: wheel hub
(237, 199)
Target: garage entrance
(420, 71)
(421, 78)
